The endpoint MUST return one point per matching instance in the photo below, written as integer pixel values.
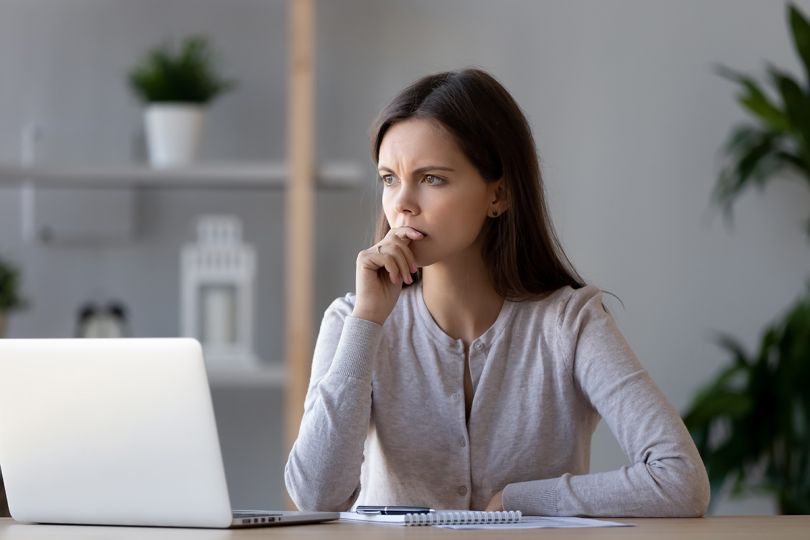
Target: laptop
(116, 432)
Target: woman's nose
(406, 200)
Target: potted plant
(751, 423)
(9, 293)
(176, 87)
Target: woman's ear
(499, 202)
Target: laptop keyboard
(253, 513)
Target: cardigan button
(462, 490)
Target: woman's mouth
(423, 233)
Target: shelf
(260, 174)
(268, 375)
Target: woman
(472, 365)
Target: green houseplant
(177, 86)
(751, 423)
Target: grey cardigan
(384, 418)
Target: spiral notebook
(439, 517)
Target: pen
(393, 510)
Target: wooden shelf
(268, 375)
(261, 174)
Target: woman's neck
(461, 297)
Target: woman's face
(429, 185)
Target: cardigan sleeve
(665, 476)
(323, 468)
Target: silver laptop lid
(110, 431)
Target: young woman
(472, 365)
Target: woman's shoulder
(560, 316)
(341, 306)
(573, 300)
(564, 297)
(574, 304)
(580, 313)
(565, 303)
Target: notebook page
(543, 522)
(438, 517)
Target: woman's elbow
(698, 495)
(301, 493)
(686, 492)
(309, 496)
(692, 505)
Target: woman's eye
(433, 180)
(387, 179)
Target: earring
(494, 213)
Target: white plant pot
(173, 132)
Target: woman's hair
(519, 246)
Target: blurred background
(628, 115)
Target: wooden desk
(737, 527)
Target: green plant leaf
(795, 162)
(755, 100)
(732, 345)
(188, 75)
(720, 403)
(800, 29)
(781, 138)
(10, 298)
(722, 398)
(756, 413)
(728, 459)
(754, 156)
(797, 106)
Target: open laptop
(115, 432)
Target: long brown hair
(519, 247)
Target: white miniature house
(217, 288)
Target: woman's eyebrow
(424, 169)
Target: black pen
(393, 510)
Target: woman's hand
(496, 503)
(381, 271)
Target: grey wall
(627, 114)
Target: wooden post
(300, 206)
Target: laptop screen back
(110, 431)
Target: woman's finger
(402, 262)
(394, 254)
(404, 247)
(403, 241)
(410, 258)
(391, 267)
(406, 232)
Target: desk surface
(737, 527)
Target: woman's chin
(425, 257)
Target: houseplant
(176, 86)
(751, 423)
(10, 299)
